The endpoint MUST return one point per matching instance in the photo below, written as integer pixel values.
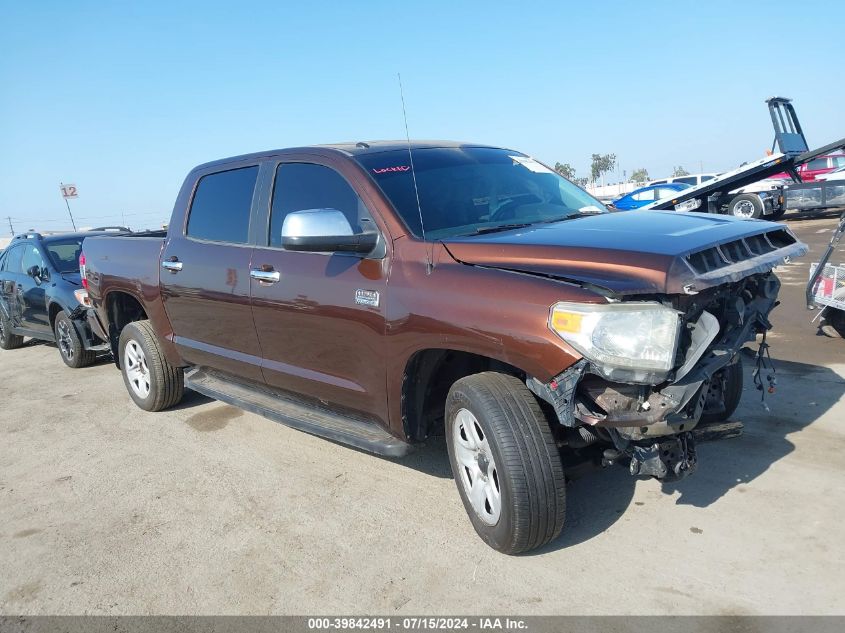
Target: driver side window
(31, 257)
(301, 186)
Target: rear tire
(7, 339)
(71, 348)
(747, 206)
(729, 384)
(505, 461)
(152, 382)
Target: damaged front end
(655, 369)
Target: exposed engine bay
(650, 425)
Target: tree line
(601, 164)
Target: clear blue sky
(123, 99)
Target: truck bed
(133, 262)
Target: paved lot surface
(105, 509)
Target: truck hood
(636, 252)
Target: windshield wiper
(564, 218)
(501, 227)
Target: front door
(205, 276)
(32, 298)
(321, 326)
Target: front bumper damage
(650, 426)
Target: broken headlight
(625, 342)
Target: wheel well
(122, 309)
(429, 375)
(55, 308)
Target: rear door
(10, 271)
(321, 326)
(205, 274)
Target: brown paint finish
(307, 334)
(124, 266)
(209, 306)
(315, 339)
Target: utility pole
(72, 223)
(11, 228)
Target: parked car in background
(379, 293)
(646, 195)
(690, 179)
(812, 170)
(836, 174)
(41, 295)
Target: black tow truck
(726, 193)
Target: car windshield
(64, 254)
(471, 190)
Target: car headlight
(625, 342)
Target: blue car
(645, 195)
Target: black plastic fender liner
(560, 391)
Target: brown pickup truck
(380, 293)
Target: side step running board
(362, 434)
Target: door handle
(172, 264)
(265, 275)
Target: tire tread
(168, 381)
(530, 455)
(81, 356)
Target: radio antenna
(428, 259)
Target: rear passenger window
(221, 206)
(301, 186)
(689, 180)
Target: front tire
(505, 461)
(747, 206)
(71, 348)
(7, 339)
(777, 214)
(152, 382)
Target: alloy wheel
(478, 473)
(135, 366)
(64, 340)
(744, 209)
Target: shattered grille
(731, 253)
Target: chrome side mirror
(324, 231)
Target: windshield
(469, 190)
(64, 254)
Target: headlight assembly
(625, 342)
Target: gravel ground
(106, 509)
